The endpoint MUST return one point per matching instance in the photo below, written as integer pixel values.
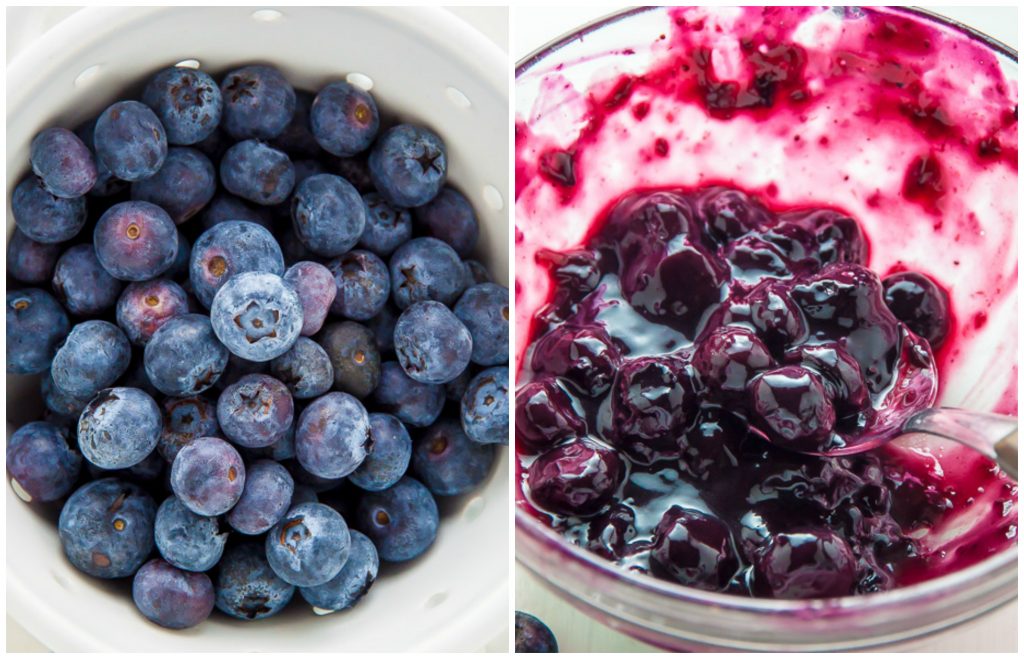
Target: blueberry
(532, 635)
(208, 476)
(135, 241)
(226, 207)
(386, 227)
(179, 269)
(840, 374)
(354, 357)
(214, 145)
(304, 494)
(316, 483)
(282, 449)
(43, 217)
(293, 249)
(258, 102)
(804, 565)
(257, 172)
(130, 141)
(728, 214)
(106, 528)
(228, 249)
(309, 545)
(184, 357)
(455, 389)
(255, 411)
(414, 403)
(350, 584)
(316, 289)
(257, 316)
(247, 588)
(328, 214)
(187, 540)
(432, 344)
(63, 163)
(652, 401)
(383, 327)
(95, 354)
(333, 435)
(171, 597)
(426, 269)
(61, 403)
(183, 186)
(41, 463)
(408, 165)
(790, 404)
(694, 549)
(305, 369)
(344, 119)
(401, 520)
(30, 261)
(119, 428)
(584, 355)
(484, 407)
(265, 499)
(726, 360)
(450, 217)
(483, 309)
(389, 459)
(106, 184)
(577, 478)
(448, 462)
(187, 102)
(36, 326)
(237, 369)
(297, 139)
(920, 304)
(145, 306)
(82, 284)
(362, 285)
(477, 272)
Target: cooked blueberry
(228, 249)
(95, 354)
(354, 357)
(426, 269)
(584, 356)
(344, 119)
(389, 459)
(119, 428)
(769, 310)
(265, 499)
(145, 306)
(386, 227)
(838, 237)
(351, 583)
(363, 285)
(401, 520)
(694, 549)
(30, 261)
(545, 415)
(333, 435)
(840, 373)
(432, 344)
(257, 172)
(247, 588)
(728, 214)
(187, 102)
(41, 463)
(309, 545)
(82, 284)
(183, 186)
(257, 316)
(258, 102)
(208, 476)
(790, 404)
(483, 309)
(63, 163)
(130, 140)
(305, 369)
(36, 326)
(184, 357)
(448, 462)
(450, 217)
(415, 403)
(532, 635)
(577, 478)
(408, 165)
(170, 597)
(185, 539)
(726, 360)
(920, 304)
(484, 407)
(807, 564)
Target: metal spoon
(992, 435)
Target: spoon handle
(993, 435)
(1006, 454)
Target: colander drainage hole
(61, 581)
(458, 99)
(473, 509)
(436, 600)
(20, 491)
(267, 15)
(493, 198)
(88, 75)
(188, 64)
(360, 80)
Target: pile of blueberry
(256, 318)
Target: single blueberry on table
(265, 499)
(333, 435)
(63, 163)
(316, 288)
(328, 214)
(532, 635)
(225, 207)
(145, 306)
(363, 285)
(29, 261)
(354, 357)
(484, 407)
(448, 462)
(95, 354)
(119, 428)
(483, 309)
(258, 102)
(82, 284)
(106, 528)
(44, 217)
(450, 217)
(130, 141)
(36, 326)
(389, 459)
(208, 476)
(415, 403)
(135, 241)
(401, 520)
(426, 269)
(183, 186)
(386, 227)
(351, 583)
(187, 540)
(408, 165)
(305, 369)
(184, 357)
(41, 463)
(228, 249)
(344, 119)
(257, 172)
(170, 597)
(255, 411)
(297, 139)
(257, 316)
(309, 545)
(187, 102)
(247, 588)
(432, 344)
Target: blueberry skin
(187, 540)
(225, 207)
(63, 163)
(455, 389)
(186, 419)
(265, 499)
(145, 306)
(60, 403)
(82, 284)
(305, 369)
(344, 119)
(450, 217)
(258, 102)
(184, 357)
(208, 476)
(44, 217)
(477, 272)
(179, 269)
(432, 344)
(352, 349)
(130, 140)
(95, 354)
(532, 635)
(257, 316)
(351, 583)
(106, 184)
(426, 269)
(135, 241)
(383, 327)
(247, 588)
(304, 494)
(257, 172)
(39, 459)
(328, 214)
(484, 407)
(36, 325)
(483, 309)
(333, 435)
(30, 261)
(297, 139)
(408, 165)
(386, 227)
(309, 545)
(106, 528)
(228, 249)
(363, 284)
(171, 597)
(448, 462)
(414, 403)
(282, 449)
(389, 459)
(187, 102)
(119, 428)
(316, 288)
(255, 411)
(183, 186)
(316, 483)
(401, 520)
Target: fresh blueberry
(389, 459)
(183, 186)
(185, 539)
(145, 306)
(351, 583)
(694, 549)
(386, 227)
(208, 476)
(297, 139)
(145, 472)
(455, 389)
(282, 449)
(426, 269)
(328, 214)
(226, 207)
(414, 403)
(790, 404)
(170, 597)
(362, 285)
(401, 520)
(478, 273)
(383, 327)
(62, 404)
(448, 462)
(303, 170)
(63, 163)
(316, 483)
(804, 565)
(82, 284)
(130, 141)
(483, 309)
(247, 588)
(237, 369)
(187, 102)
(228, 249)
(106, 528)
(106, 184)
(344, 119)
(43, 217)
(532, 635)
(450, 217)
(309, 545)
(408, 165)
(333, 435)
(265, 499)
(354, 357)
(36, 325)
(30, 261)
(257, 172)
(304, 494)
(119, 428)
(316, 288)
(95, 354)
(258, 102)
(215, 144)
(355, 170)
(135, 241)
(578, 478)
(40, 462)
(255, 411)
(432, 344)
(305, 369)
(179, 269)
(184, 357)
(920, 304)
(257, 316)
(485, 407)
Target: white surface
(534, 27)
(72, 612)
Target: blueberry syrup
(693, 283)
